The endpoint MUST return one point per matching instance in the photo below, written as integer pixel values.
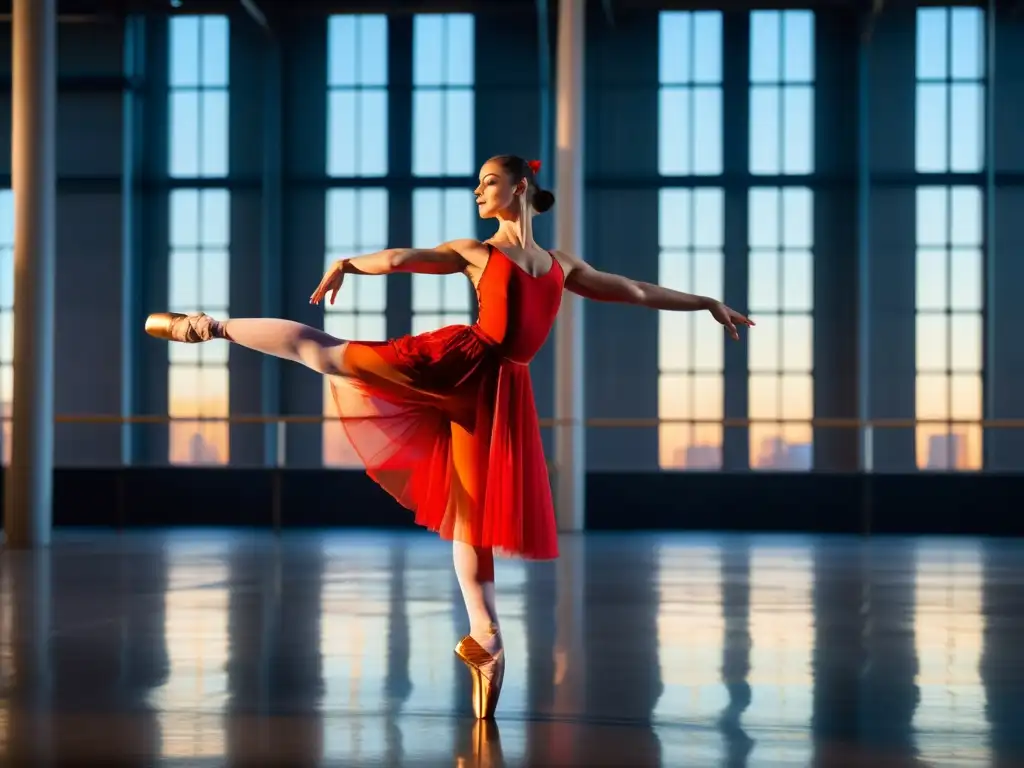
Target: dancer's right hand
(332, 280)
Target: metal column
(569, 433)
(28, 486)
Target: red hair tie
(534, 166)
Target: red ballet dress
(445, 421)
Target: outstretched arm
(446, 259)
(584, 280)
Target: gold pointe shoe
(486, 690)
(174, 326)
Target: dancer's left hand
(332, 280)
(730, 318)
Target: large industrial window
(690, 348)
(357, 217)
(443, 146)
(950, 301)
(199, 234)
(780, 238)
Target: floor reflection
(205, 648)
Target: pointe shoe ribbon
(174, 326)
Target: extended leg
(271, 336)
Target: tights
(474, 566)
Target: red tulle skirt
(449, 428)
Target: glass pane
(708, 344)
(966, 341)
(708, 218)
(932, 123)
(764, 283)
(427, 221)
(707, 131)
(798, 46)
(459, 211)
(184, 224)
(342, 50)
(707, 47)
(968, 49)
(674, 229)
(932, 396)
(341, 133)
(965, 396)
(764, 353)
(215, 218)
(798, 281)
(426, 293)
(675, 396)
(342, 221)
(763, 215)
(674, 36)
(765, 38)
(214, 147)
(763, 398)
(428, 133)
(765, 111)
(675, 142)
(966, 212)
(373, 50)
(215, 42)
(797, 397)
(932, 61)
(932, 279)
(797, 218)
(184, 51)
(932, 345)
(183, 286)
(675, 269)
(798, 129)
(707, 273)
(214, 274)
(370, 293)
(797, 343)
(373, 133)
(675, 330)
(458, 133)
(184, 396)
(708, 396)
(966, 280)
(932, 216)
(428, 49)
(183, 110)
(459, 50)
(966, 137)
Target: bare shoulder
(568, 262)
(472, 251)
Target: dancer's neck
(509, 230)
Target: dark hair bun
(542, 200)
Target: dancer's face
(498, 194)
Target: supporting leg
(474, 567)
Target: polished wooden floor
(199, 648)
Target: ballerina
(445, 421)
